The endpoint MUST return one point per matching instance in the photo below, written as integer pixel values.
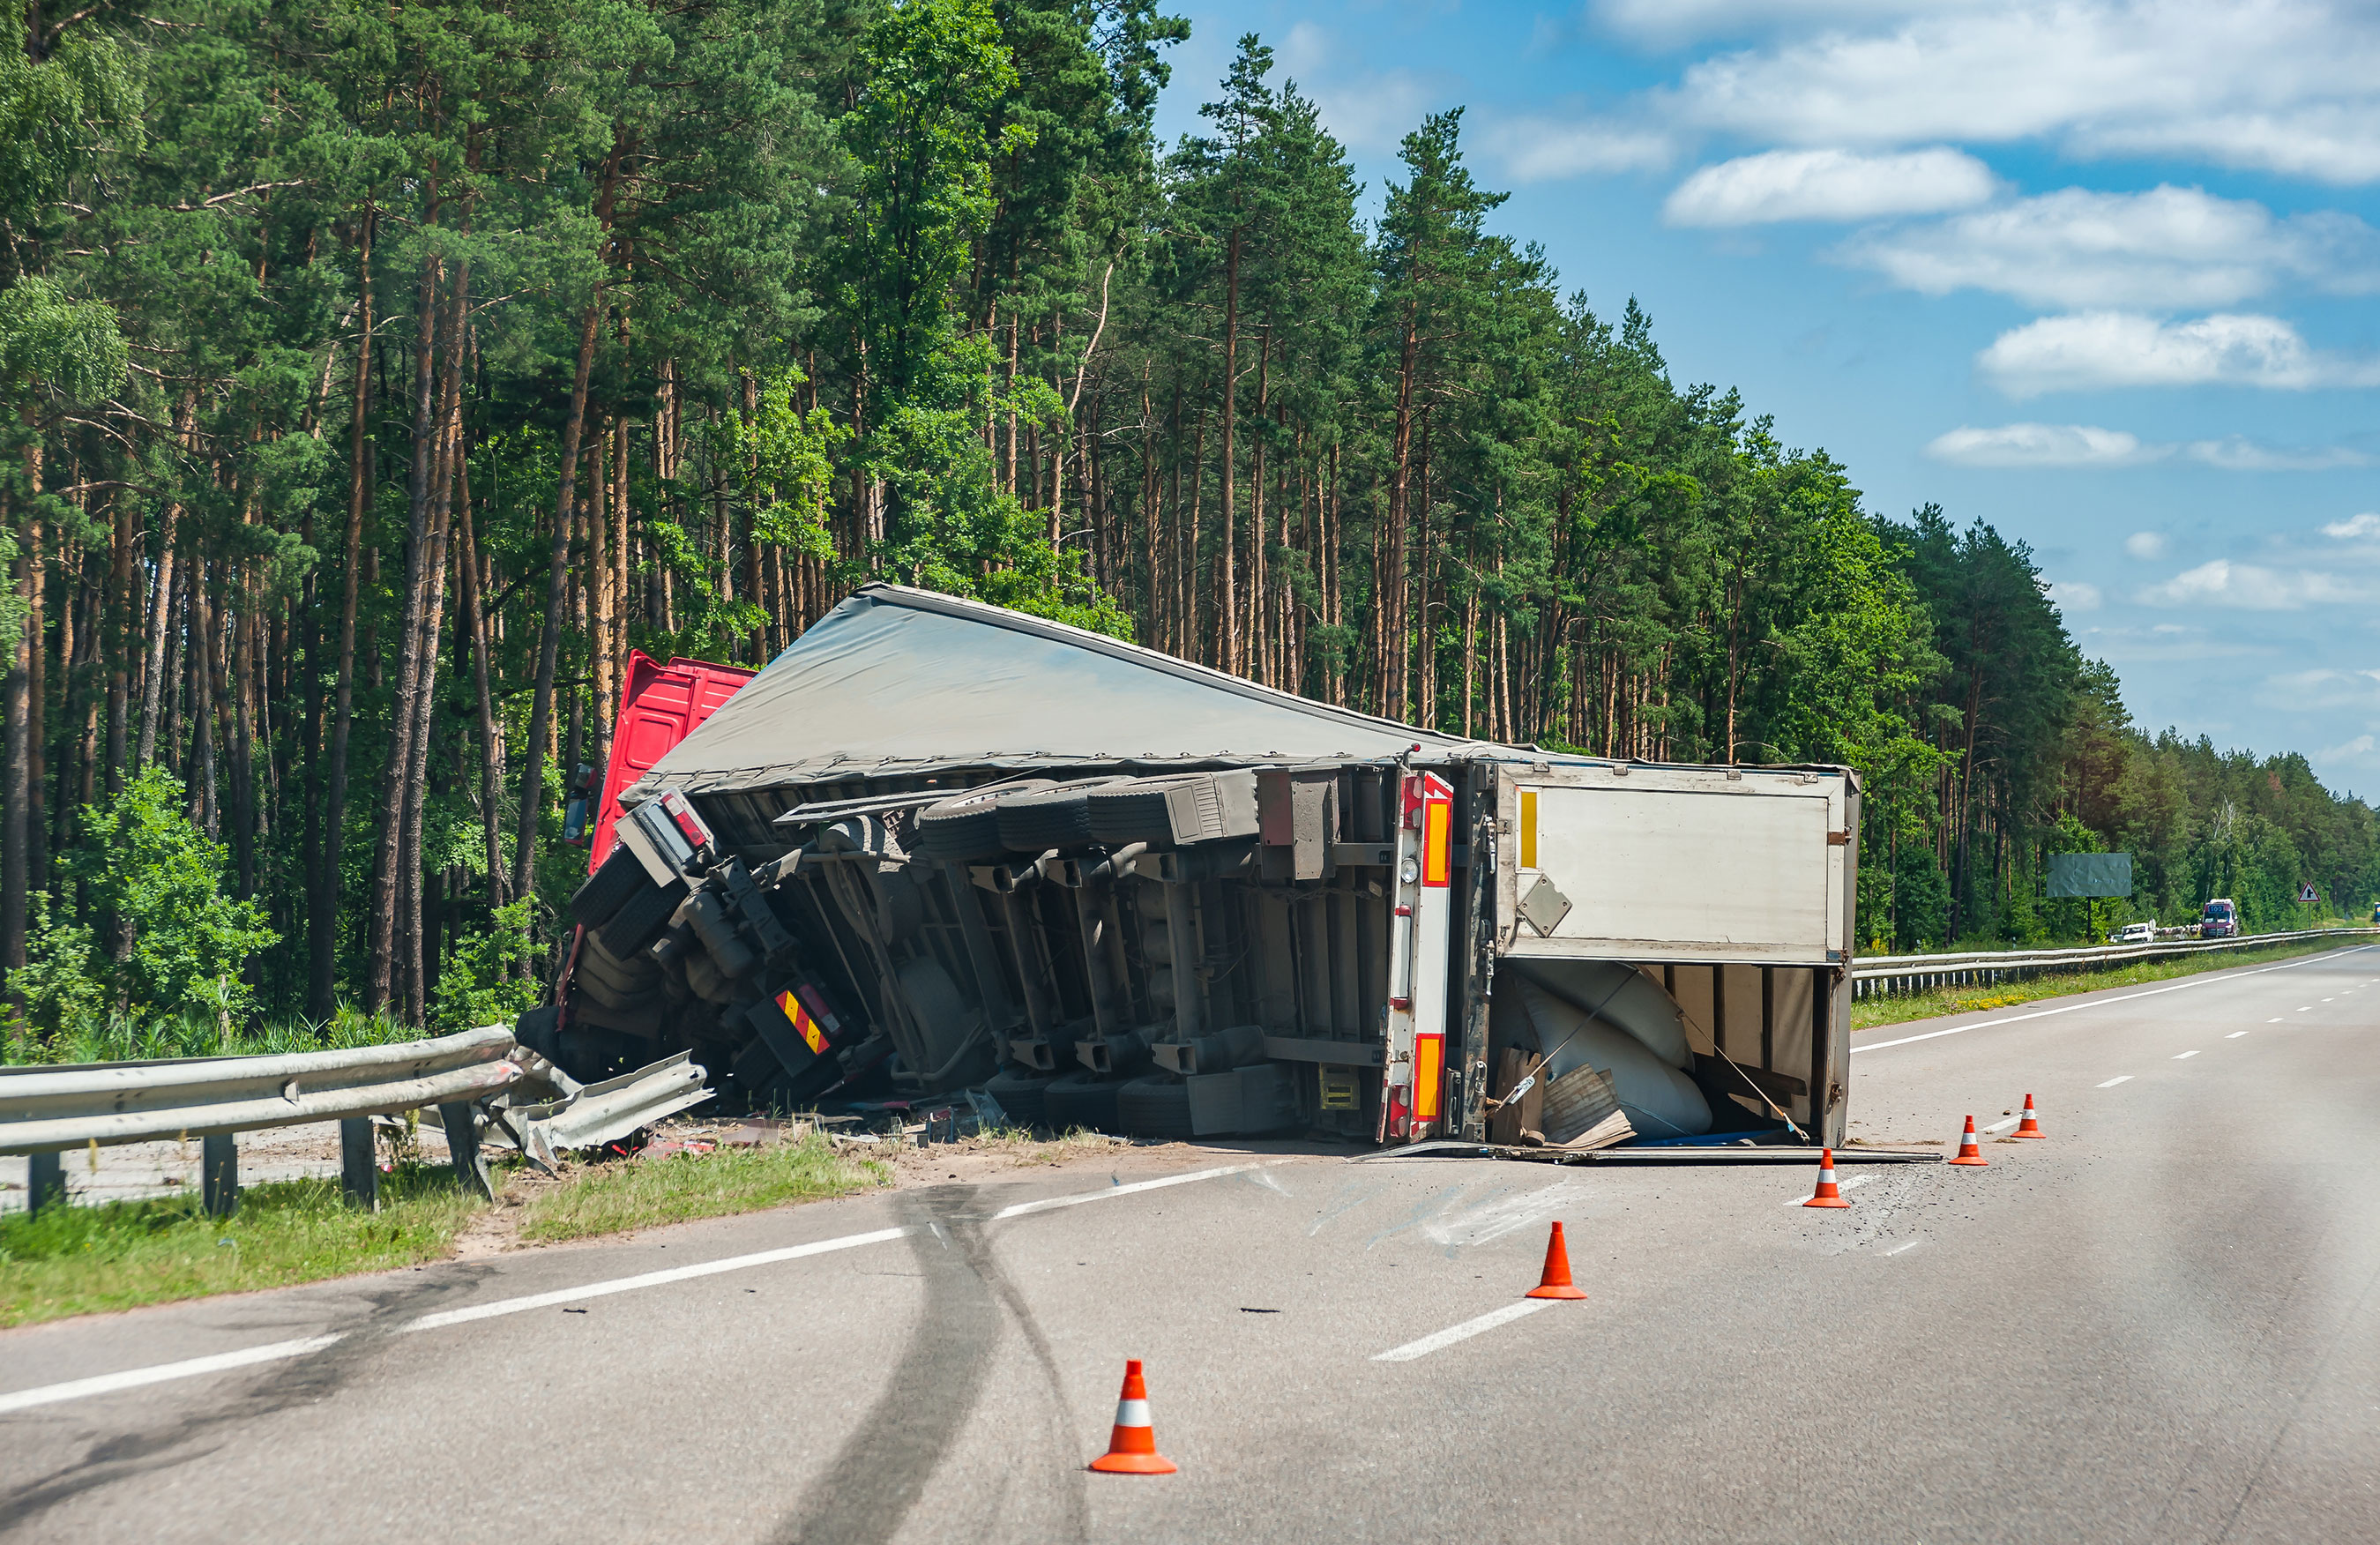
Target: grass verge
(641, 1192)
(89, 1259)
(1868, 1012)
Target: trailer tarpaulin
(896, 680)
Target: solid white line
(1999, 1126)
(444, 1318)
(2119, 1078)
(1465, 1330)
(132, 1379)
(2184, 1057)
(1047, 1203)
(276, 1351)
(2235, 1035)
(1910, 1246)
(1855, 1180)
(2098, 1002)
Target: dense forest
(377, 377)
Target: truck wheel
(638, 922)
(1133, 812)
(1080, 1099)
(966, 828)
(597, 964)
(608, 888)
(1157, 1106)
(1021, 1094)
(1057, 816)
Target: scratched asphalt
(2159, 1325)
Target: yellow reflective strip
(1430, 1072)
(1528, 828)
(1438, 822)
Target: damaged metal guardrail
(1879, 976)
(589, 1115)
(474, 1079)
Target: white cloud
(2067, 445)
(2041, 446)
(2145, 544)
(2247, 587)
(2121, 348)
(1828, 185)
(2235, 452)
(2166, 247)
(2322, 689)
(1365, 110)
(1546, 149)
(2074, 595)
(2361, 746)
(2284, 85)
(2355, 528)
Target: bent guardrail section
(1881, 975)
(470, 1078)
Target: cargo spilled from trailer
(938, 852)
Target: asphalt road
(2159, 1325)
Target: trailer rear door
(1677, 864)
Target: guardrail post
(359, 1170)
(463, 1143)
(46, 1182)
(219, 1174)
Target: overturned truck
(939, 846)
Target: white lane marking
(648, 1279)
(2273, 1020)
(275, 1351)
(1465, 1330)
(2235, 1035)
(2328, 1000)
(1910, 1246)
(2306, 1009)
(2001, 1125)
(2184, 1057)
(132, 1379)
(2119, 1078)
(2098, 1002)
(1853, 1181)
(1049, 1203)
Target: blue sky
(2103, 274)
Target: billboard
(2090, 874)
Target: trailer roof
(898, 680)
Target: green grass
(641, 1192)
(1900, 1008)
(119, 1255)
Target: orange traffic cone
(1968, 1153)
(1554, 1282)
(1132, 1447)
(1827, 1194)
(2028, 1127)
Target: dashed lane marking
(1910, 1246)
(2235, 1035)
(2119, 1078)
(190, 1368)
(2184, 1057)
(1999, 1127)
(1463, 1332)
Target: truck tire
(1157, 1106)
(1080, 1099)
(608, 888)
(641, 917)
(1133, 812)
(1057, 816)
(589, 988)
(1020, 1094)
(596, 964)
(965, 828)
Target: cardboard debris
(1582, 1112)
